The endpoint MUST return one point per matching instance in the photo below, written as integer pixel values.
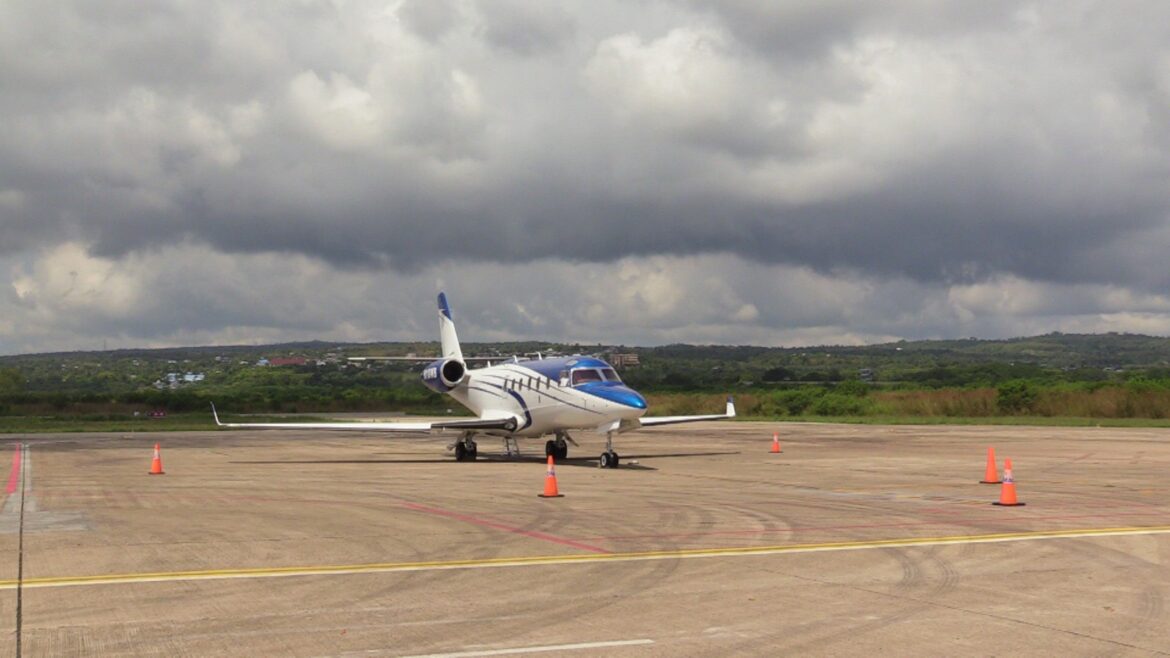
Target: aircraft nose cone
(631, 398)
(638, 402)
(623, 395)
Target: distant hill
(1083, 375)
(931, 363)
(1051, 350)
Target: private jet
(513, 399)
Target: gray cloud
(526, 28)
(905, 148)
(430, 19)
(190, 294)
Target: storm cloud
(648, 172)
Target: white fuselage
(542, 404)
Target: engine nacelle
(444, 374)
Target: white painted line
(548, 647)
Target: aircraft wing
(505, 424)
(425, 359)
(653, 421)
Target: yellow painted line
(587, 558)
(576, 646)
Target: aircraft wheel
(613, 460)
(608, 460)
(472, 451)
(550, 449)
(562, 453)
(603, 462)
(460, 451)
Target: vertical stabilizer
(447, 337)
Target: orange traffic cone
(991, 475)
(550, 482)
(1007, 493)
(156, 463)
(776, 442)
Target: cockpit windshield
(582, 375)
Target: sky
(643, 172)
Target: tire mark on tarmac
(481, 521)
(1150, 576)
(907, 589)
(916, 588)
(541, 525)
(595, 589)
(821, 644)
(404, 542)
(948, 520)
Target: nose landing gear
(609, 458)
(557, 448)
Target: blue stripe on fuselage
(553, 392)
(614, 392)
(606, 390)
(552, 368)
(524, 406)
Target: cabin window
(584, 375)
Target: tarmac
(853, 541)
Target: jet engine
(443, 375)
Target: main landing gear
(609, 458)
(557, 448)
(466, 449)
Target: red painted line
(505, 527)
(14, 477)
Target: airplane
(531, 398)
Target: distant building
(623, 359)
(287, 361)
(173, 380)
(865, 374)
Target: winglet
(215, 415)
(730, 407)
